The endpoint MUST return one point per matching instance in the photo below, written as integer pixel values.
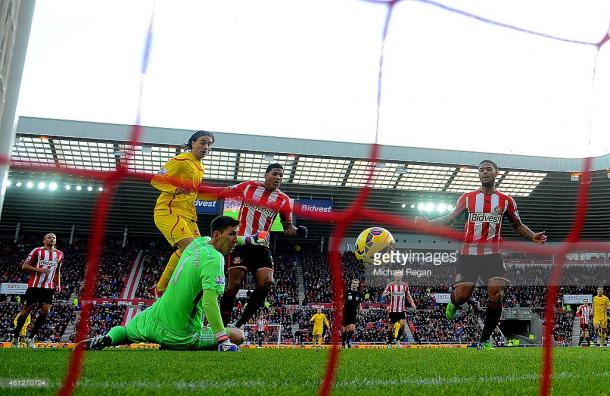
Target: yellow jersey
(600, 306)
(187, 170)
(319, 320)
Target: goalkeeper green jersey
(201, 267)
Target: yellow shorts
(601, 322)
(317, 331)
(175, 228)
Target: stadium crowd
(282, 308)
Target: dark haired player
(44, 265)
(175, 321)
(480, 256)
(175, 215)
(351, 308)
(261, 203)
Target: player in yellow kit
(319, 320)
(175, 214)
(24, 329)
(601, 304)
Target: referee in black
(353, 299)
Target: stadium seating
(427, 324)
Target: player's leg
(401, 330)
(22, 317)
(39, 322)
(351, 329)
(343, 335)
(116, 336)
(466, 276)
(596, 329)
(390, 328)
(238, 266)
(495, 291)
(460, 294)
(179, 232)
(264, 280)
(227, 301)
(603, 329)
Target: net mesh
(111, 164)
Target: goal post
(271, 335)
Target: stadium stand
(426, 325)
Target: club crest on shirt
(499, 209)
(236, 260)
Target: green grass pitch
(508, 371)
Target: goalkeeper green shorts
(145, 327)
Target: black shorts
(251, 258)
(397, 316)
(38, 295)
(469, 268)
(349, 317)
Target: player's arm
(449, 219)
(57, 276)
(326, 321)
(410, 298)
(312, 318)
(168, 179)
(519, 227)
(27, 265)
(213, 192)
(213, 287)
(286, 218)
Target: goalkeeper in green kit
(175, 320)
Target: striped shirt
(261, 324)
(397, 292)
(485, 213)
(42, 257)
(584, 312)
(259, 207)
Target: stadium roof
(405, 176)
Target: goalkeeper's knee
(118, 334)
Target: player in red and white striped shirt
(480, 256)
(44, 265)
(585, 313)
(261, 203)
(397, 293)
(261, 325)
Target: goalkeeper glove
(260, 238)
(302, 231)
(224, 345)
